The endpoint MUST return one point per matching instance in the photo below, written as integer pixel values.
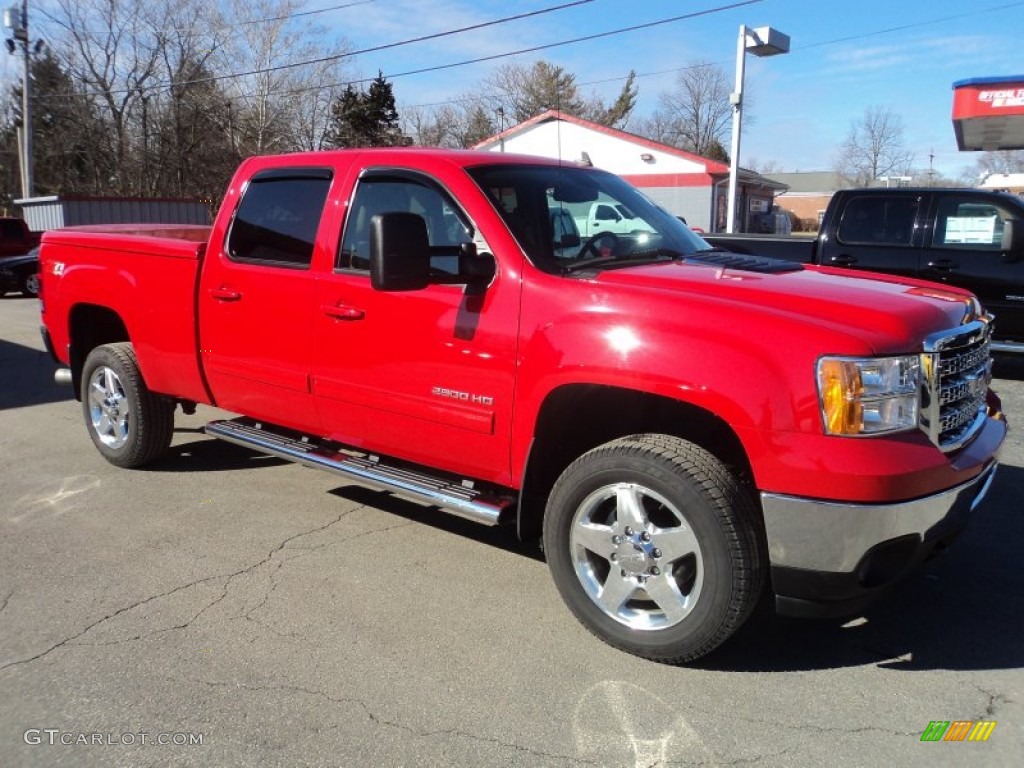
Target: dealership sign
(988, 113)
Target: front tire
(653, 545)
(129, 425)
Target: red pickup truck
(679, 425)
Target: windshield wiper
(650, 256)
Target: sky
(845, 57)
(903, 55)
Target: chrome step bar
(459, 498)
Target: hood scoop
(744, 262)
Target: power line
(507, 54)
(373, 49)
(620, 78)
(439, 67)
(796, 49)
(970, 14)
(583, 39)
(283, 17)
(287, 16)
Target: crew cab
(679, 426)
(970, 238)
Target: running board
(451, 495)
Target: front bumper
(830, 559)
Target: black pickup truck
(965, 237)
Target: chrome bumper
(824, 536)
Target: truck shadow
(501, 537)
(960, 612)
(209, 455)
(26, 377)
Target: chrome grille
(956, 372)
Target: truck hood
(887, 313)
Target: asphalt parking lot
(280, 617)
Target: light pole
(16, 20)
(763, 41)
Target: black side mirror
(475, 267)
(399, 252)
(1013, 240)
(569, 240)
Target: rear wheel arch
(91, 326)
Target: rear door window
(278, 217)
(879, 220)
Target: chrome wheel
(32, 284)
(636, 556)
(109, 409)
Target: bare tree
(874, 147)
(1002, 161)
(763, 167)
(695, 115)
(277, 106)
(112, 48)
(458, 125)
(522, 92)
(526, 91)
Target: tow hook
(62, 376)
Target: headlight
(868, 396)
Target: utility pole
(16, 20)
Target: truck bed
(157, 261)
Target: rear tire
(654, 546)
(129, 425)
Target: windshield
(569, 218)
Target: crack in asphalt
(6, 600)
(738, 761)
(298, 553)
(382, 721)
(228, 577)
(994, 700)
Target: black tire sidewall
(704, 622)
(150, 416)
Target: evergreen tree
(716, 151)
(478, 126)
(366, 119)
(616, 115)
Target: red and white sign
(989, 114)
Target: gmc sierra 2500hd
(680, 426)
